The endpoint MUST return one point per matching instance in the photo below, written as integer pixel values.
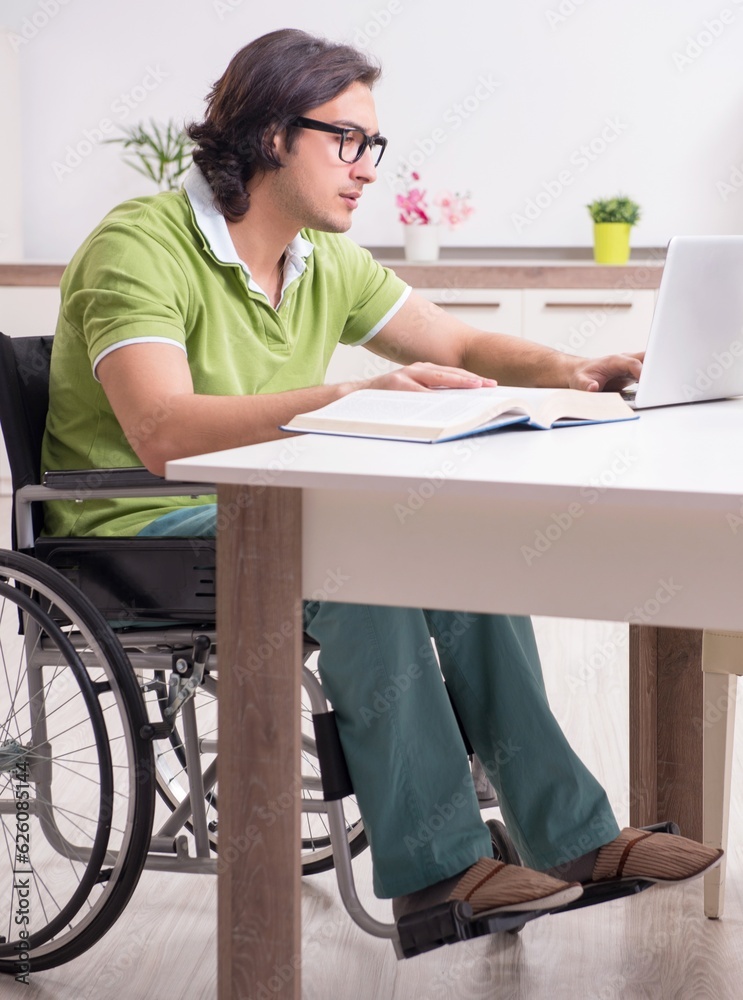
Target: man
(204, 319)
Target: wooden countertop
(36, 275)
(527, 274)
(447, 273)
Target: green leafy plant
(619, 209)
(160, 152)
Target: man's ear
(274, 143)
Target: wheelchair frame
(164, 847)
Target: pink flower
(455, 208)
(412, 202)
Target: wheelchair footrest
(448, 923)
(604, 892)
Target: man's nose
(364, 169)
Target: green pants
(404, 748)
(405, 751)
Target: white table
(638, 521)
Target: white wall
(11, 217)
(559, 71)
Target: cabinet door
(589, 322)
(497, 310)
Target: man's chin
(335, 225)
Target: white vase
(421, 242)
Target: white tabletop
(633, 521)
(681, 455)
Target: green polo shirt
(163, 268)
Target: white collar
(214, 229)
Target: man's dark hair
(274, 79)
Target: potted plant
(160, 152)
(613, 219)
(420, 227)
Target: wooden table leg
(259, 630)
(666, 712)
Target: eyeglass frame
(369, 140)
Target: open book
(445, 414)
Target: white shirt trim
(213, 226)
(133, 340)
(385, 319)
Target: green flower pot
(611, 242)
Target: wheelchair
(108, 688)
(109, 664)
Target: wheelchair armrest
(130, 478)
(96, 484)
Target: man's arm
(151, 392)
(422, 331)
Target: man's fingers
(434, 376)
(609, 372)
(423, 375)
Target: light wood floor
(657, 946)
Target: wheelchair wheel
(171, 771)
(317, 851)
(504, 850)
(503, 846)
(76, 776)
(172, 776)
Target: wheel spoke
(89, 769)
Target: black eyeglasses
(354, 142)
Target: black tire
(317, 851)
(503, 846)
(504, 850)
(320, 856)
(71, 736)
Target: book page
(440, 408)
(576, 405)
(446, 413)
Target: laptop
(695, 347)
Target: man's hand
(608, 374)
(423, 375)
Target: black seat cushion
(163, 579)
